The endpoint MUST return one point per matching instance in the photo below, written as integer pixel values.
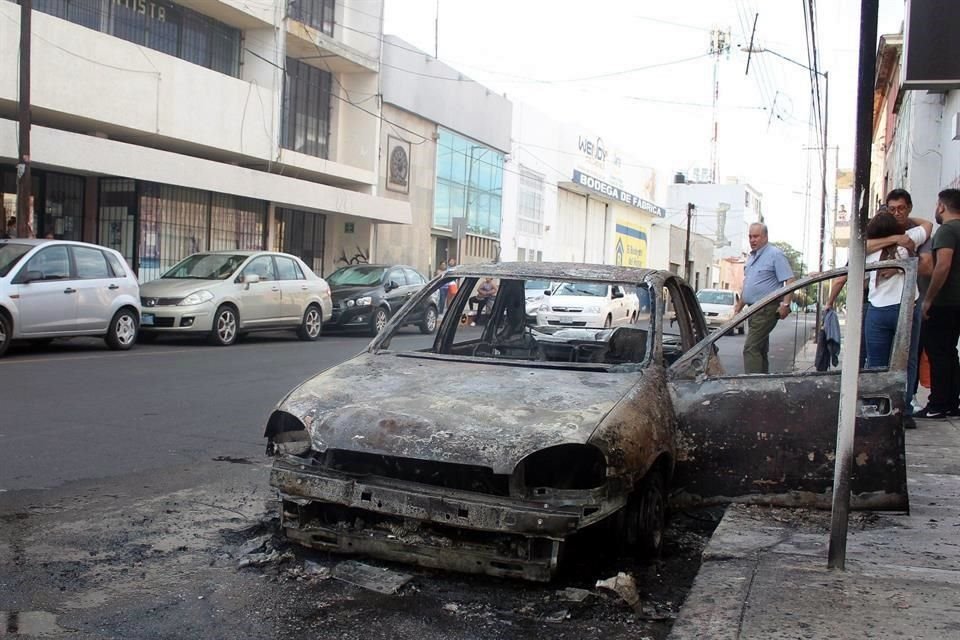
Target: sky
(656, 105)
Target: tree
(805, 296)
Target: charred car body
(487, 451)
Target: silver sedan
(54, 288)
(225, 294)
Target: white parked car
(588, 304)
(225, 294)
(718, 306)
(55, 288)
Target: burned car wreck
(489, 450)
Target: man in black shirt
(941, 311)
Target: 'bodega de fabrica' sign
(616, 193)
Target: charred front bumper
(432, 526)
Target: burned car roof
(559, 271)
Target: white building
(163, 128)
(723, 212)
(572, 196)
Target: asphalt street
(77, 410)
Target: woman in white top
(886, 289)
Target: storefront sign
(145, 8)
(631, 245)
(615, 193)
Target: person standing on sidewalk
(941, 311)
(767, 269)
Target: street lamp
(823, 148)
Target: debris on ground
(255, 545)
(557, 616)
(573, 594)
(377, 579)
(624, 586)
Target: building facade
(723, 212)
(164, 128)
(444, 143)
(571, 196)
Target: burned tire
(226, 326)
(122, 332)
(643, 522)
(310, 328)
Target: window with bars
(301, 233)
(159, 25)
(237, 223)
(62, 208)
(306, 109)
(319, 14)
(530, 206)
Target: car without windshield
(488, 450)
(225, 294)
(56, 288)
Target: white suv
(588, 304)
(55, 288)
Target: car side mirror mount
(547, 292)
(253, 278)
(616, 294)
(392, 285)
(30, 276)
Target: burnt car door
(771, 438)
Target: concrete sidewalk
(764, 573)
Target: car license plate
(146, 319)
(566, 320)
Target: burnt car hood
(461, 412)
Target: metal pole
(850, 367)
(823, 193)
(436, 31)
(24, 179)
(686, 251)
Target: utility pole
(850, 366)
(719, 44)
(686, 252)
(24, 179)
(436, 32)
(823, 194)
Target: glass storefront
(469, 184)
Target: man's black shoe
(909, 422)
(928, 414)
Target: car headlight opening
(365, 301)
(565, 466)
(197, 297)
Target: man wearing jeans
(941, 311)
(766, 270)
